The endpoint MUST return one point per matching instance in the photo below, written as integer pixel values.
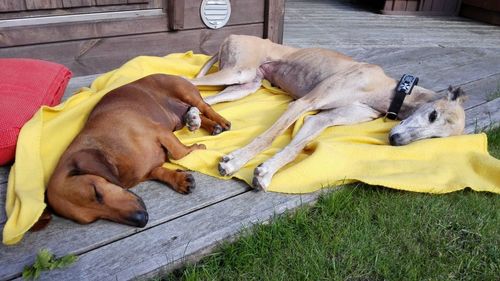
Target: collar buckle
(391, 116)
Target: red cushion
(26, 85)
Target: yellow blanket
(340, 155)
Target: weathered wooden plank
(43, 4)
(77, 3)
(63, 236)
(388, 4)
(427, 6)
(81, 18)
(438, 5)
(12, 5)
(483, 117)
(453, 6)
(481, 91)
(156, 3)
(95, 26)
(437, 67)
(274, 20)
(326, 22)
(175, 9)
(77, 83)
(168, 244)
(450, 68)
(412, 5)
(101, 55)
(110, 2)
(399, 5)
(77, 10)
(3, 196)
(4, 173)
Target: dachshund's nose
(395, 139)
(139, 218)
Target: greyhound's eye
(433, 116)
(98, 195)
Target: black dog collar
(404, 87)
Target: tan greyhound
(343, 90)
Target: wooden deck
(441, 51)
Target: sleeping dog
(126, 139)
(343, 90)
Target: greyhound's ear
(94, 162)
(43, 220)
(456, 94)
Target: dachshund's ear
(43, 221)
(93, 162)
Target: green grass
(363, 232)
(494, 142)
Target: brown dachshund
(127, 138)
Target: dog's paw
(217, 130)
(185, 182)
(225, 169)
(198, 146)
(226, 125)
(261, 178)
(228, 165)
(192, 119)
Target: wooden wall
(421, 7)
(482, 10)
(104, 34)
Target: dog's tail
(208, 65)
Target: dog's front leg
(175, 148)
(235, 160)
(313, 126)
(180, 181)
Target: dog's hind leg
(191, 96)
(313, 126)
(210, 126)
(235, 92)
(194, 120)
(180, 181)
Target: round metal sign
(215, 13)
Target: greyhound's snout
(138, 218)
(395, 139)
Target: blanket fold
(339, 155)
